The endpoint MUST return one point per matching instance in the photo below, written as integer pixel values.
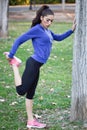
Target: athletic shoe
(14, 61)
(35, 124)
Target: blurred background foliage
(27, 2)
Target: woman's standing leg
(29, 108)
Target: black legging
(30, 78)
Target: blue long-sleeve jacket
(41, 41)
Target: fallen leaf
(41, 98)
(37, 116)
(2, 100)
(68, 96)
(62, 59)
(13, 103)
(52, 90)
(53, 103)
(59, 81)
(7, 87)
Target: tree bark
(79, 73)
(3, 18)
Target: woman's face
(46, 21)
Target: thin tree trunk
(79, 74)
(63, 5)
(3, 18)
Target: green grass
(52, 98)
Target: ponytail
(43, 11)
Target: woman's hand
(74, 25)
(7, 57)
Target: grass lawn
(52, 98)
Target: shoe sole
(28, 126)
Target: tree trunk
(63, 5)
(79, 73)
(3, 18)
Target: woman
(42, 39)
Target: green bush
(70, 1)
(18, 2)
(26, 2)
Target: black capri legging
(29, 78)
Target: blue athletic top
(41, 40)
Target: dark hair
(43, 11)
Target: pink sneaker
(35, 124)
(14, 61)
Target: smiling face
(46, 21)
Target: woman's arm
(21, 39)
(60, 37)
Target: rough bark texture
(79, 74)
(3, 18)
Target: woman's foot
(35, 124)
(14, 61)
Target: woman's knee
(20, 91)
(30, 94)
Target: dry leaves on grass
(13, 103)
(2, 100)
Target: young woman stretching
(42, 39)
